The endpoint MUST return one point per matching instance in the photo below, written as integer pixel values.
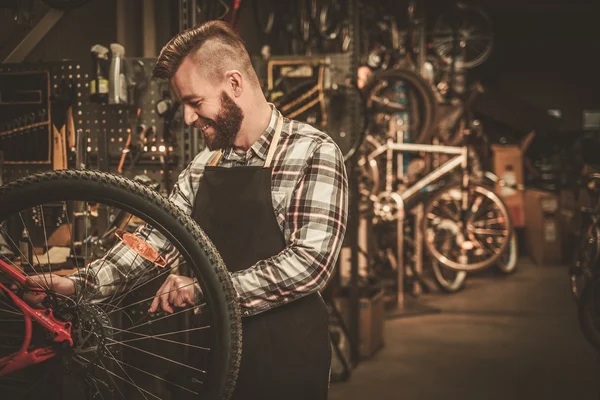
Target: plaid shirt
(310, 199)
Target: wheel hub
(90, 329)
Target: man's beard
(225, 125)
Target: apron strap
(216, 158)
(274, 141)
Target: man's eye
(196, 105)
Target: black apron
(286, 352)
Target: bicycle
(454, 233)
(104, 342)
(585, 262)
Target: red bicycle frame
(45, 317)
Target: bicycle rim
(448, 280)
(473, 241)
(425, 100)
(121, 351)
(507, 263)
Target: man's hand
(177, 291)
(36, 284)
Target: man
(271, 194)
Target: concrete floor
(513, 337)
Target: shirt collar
(261, 147)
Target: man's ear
(236, 81)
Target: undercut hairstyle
(214, 46)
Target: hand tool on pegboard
(62, 122)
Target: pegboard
(107, 128)
(20, 120)
(102, 130)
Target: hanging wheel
(468, 240)
(388, 92)
(120, 350)
(468, 27)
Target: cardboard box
(508, 166)
(371, 322)
(543, 236)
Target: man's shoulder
(304, 133)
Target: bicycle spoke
(11, 308)
(23, 255)
(145, 282)
(131, 382)
(113, 381)
(46, 242)
(159, 337)
(157, 356)
(161, 318)
(491, 221)
(485, 242)
(152, 297)
(157, 377)
(492, 232)
(453, 215)
(72, 239)
(476, 207)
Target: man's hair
(221, 48)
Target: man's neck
(253, 127)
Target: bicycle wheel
(507, 263)
(589, 312)
(120, 351)
(467, 29)
(381, 96)
(448, 280)
(585, 260)
(466, 240)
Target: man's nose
(189, 115)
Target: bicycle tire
(362, 117)
(420, 87)
(461, 16)
(507, 264)
(478, 264)
(585, 260)
(589, 312)
(448, 285)
(184, 233)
